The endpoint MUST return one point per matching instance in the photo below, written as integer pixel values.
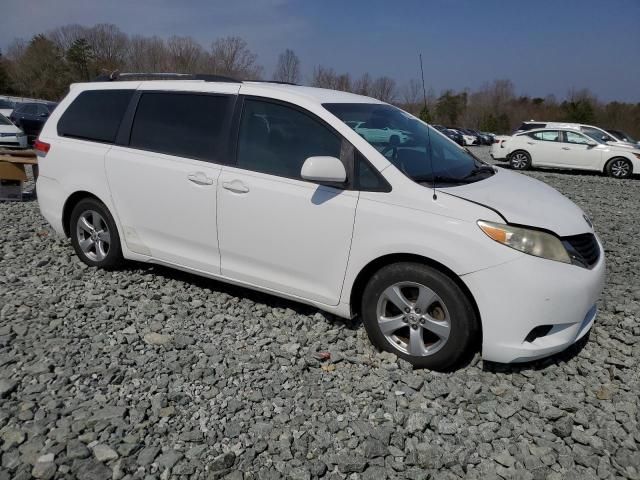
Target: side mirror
(44, 115)
(324, 170)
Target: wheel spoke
(85, 225)
(426, 297)
(86, 244)
(100, 253)
(388, 325)
(395, 296)
(416, 343)
(441, 329)
(104, 236)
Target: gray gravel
(148, 373)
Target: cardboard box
(11, 190)
(12, 171)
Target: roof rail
(278, 82)
(117, 76)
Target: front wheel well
(71, 202)
(372, 267)
(608, 162)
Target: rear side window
(95, 115)
(547, 136)
(182, 124)
(277, 139)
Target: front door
(163, 183)
(276, 230)
(579, 152)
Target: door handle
(566, 148)
(235, 186)
(200, 178)
(531, 143)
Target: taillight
(41, 148)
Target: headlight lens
(532, 242)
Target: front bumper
(13, 141)
(516, 297)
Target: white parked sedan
(566, 148)
(10, 135)
(272, 187)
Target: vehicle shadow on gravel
(267, 299)
(580, 173)
(558, 359)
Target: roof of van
(313, 94)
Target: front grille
(583, 249)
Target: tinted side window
(29, 110)
(183, 124)
(547, 136)
(276, 139)
(530, 126)
(95, 115)
(572, 137)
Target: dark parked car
(31, 116)
(623, 136)
(452, 134)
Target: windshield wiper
(478, 170)
(438, 179)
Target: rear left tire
(520, 160)
(94, 235)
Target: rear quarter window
(95, 115)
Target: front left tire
(419, 314)
(94, 235)
(619, 168)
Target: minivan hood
(526, 201)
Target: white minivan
(268, 186)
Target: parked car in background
(596, 133)
(10, 135)
(452, 134)
(31, 117)
(566, 148)
(467, 138)
(6, 107)
(623, 136)
(289, 199)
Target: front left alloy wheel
(94, 235)
(420, 314)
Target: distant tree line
(44, 66)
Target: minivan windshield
(419, 151)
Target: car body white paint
(309, 242)
(564, 155)
(10, 135)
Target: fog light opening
(537, 332)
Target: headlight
(532, 242)
(20, 134)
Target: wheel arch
(365, 274)
(71, 202)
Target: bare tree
(185, 54)
(288, 67)
(109, 45)
(65, 36)
(147, 54)
(324, 77)
(362, 86)
(231, 56)
(384, 88)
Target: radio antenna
(429, 152)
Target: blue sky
(544, 47)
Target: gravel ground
(152, 374)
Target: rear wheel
(419, 314)
(619, 168)
(520, 160)
(94, 235)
